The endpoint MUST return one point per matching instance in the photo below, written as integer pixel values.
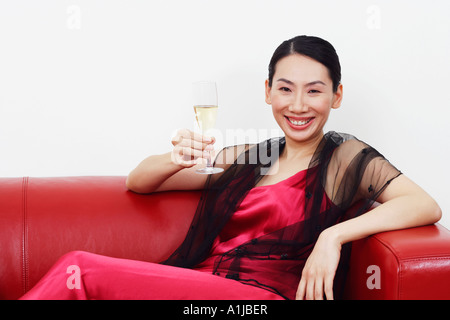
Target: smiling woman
(280, 235)
(302, 96)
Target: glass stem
(208, 160)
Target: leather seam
(25, 235)
(399, 265)
(425, 258)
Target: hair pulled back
(313, 47)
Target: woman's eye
(313, 91)
(285, 89)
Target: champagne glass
(205, 107)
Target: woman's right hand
(167, 171)
(189, 148)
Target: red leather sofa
(43, 218)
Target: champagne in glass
(206, 117)
(205, 107)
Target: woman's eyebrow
(306, 85)
(315, 82)
(287, 81)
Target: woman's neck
(300, 150)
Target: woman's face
(302, 97)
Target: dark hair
(313, 47)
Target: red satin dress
(265, 209)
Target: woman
(268, 229)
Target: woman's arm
(403, 205)
(174, 170)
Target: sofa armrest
(404, 264)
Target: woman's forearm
(174, 170)
(399, 213)
(151, 173)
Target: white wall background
(91, 87)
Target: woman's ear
(268, 88)
(338, 95)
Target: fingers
(192, 139)
(315, 287)
(310, 288)
(317, 290)
(189, 147)
(301, 290)
(328, 287)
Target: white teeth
(299, 123)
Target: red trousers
(83, 275)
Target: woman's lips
(299, 123)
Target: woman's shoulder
(345, 141)
(347, 146)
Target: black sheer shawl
(343, 169)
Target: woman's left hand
(320, 269)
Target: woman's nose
(298, 105)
